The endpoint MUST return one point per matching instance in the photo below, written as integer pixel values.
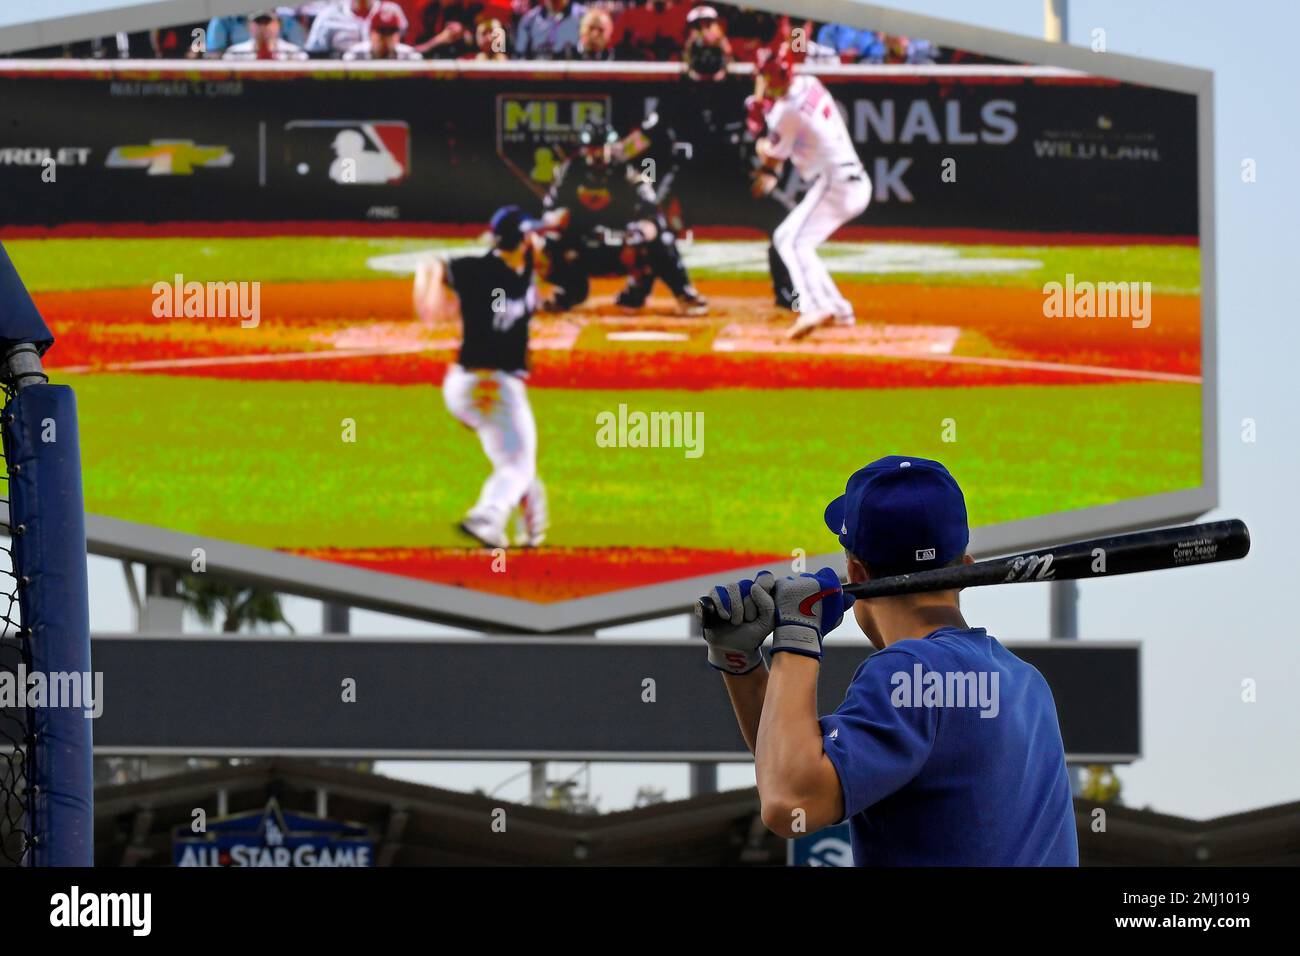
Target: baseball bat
(1096, 558)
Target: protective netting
(15, 659)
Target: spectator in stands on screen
(447, 44)
(549, 31)
(343, 25)
(414, 11)
(898, 49)
(491, 40)
(225, 32)
(447, 27)
(849, 44)
(706, 52)
(874, 50)
(595, 33)
(429, 18)
(172, 43)
(816, 53)
(653, 31)
(922, 52)
(264, 41)
(747, 30)
(385, 38)
(384, 42)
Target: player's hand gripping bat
(1097, 558)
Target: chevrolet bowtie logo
(169, 157)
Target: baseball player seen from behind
(946, 749)
(494, 295)
(803, 125)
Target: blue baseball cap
(901, 515)
(509, 223)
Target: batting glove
(808, 607)
(746, 615)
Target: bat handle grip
(707, 612)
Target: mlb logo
(925, 554)
(349, 152)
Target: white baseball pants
(495, 405)
(836, 196)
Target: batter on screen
(802, 124)
(495, 296)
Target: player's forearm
(788, 759)
(747, 692)
(432, 299)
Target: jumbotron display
(729, 292)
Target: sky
(1204, 631)
(22, 13)
(47, 9)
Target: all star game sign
(273, 838)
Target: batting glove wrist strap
(808, 607)
(797, 639)
(737, 663)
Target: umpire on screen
(700, 140)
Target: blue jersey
(949, 753)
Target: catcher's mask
(597, 140)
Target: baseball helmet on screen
(775, 64)
(509, 224)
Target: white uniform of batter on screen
(804, 126)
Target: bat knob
(707, 612)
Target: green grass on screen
(264, 463)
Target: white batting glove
(747, 615)
(808, 607)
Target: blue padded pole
(47, 519)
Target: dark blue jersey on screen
(943, 785)
(496, 304)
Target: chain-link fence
(15, 660)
